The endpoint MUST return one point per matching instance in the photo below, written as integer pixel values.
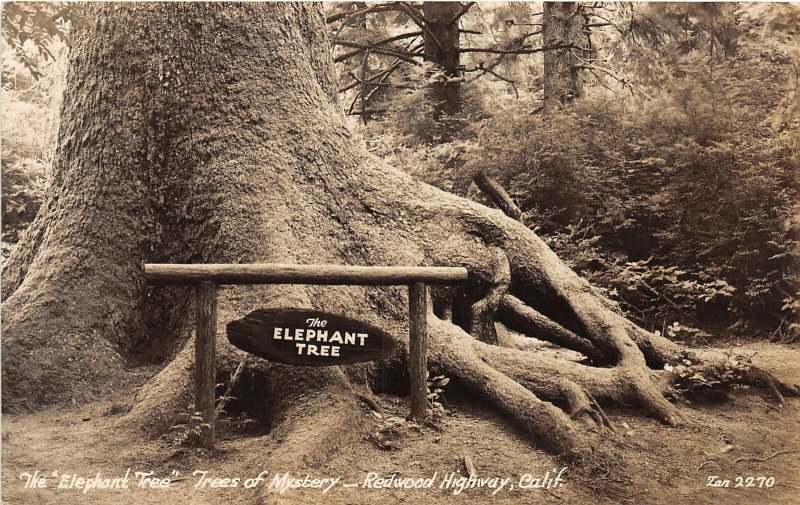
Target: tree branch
(611, 73)
(371, 78)
(367, 111)
(498, 194)
(461, 12)
(395, 52)
(517, 51)
(488, 70)
(350, 43)
(351, 14)
(420, 21)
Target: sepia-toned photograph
(353, 253)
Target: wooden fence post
(418, 348)
(206, 278)
(205, 359)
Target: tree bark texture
(418, 348)
(213, 133)
(205, 371)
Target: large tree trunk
(563, 23)
(208, 132)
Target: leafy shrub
(435, 390)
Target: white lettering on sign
(303, 337)
(315, 322)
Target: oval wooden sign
(307, 337)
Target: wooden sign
(312, 338)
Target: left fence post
(205, 359)
(418, 349)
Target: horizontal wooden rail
(206, 277)
(277, 273)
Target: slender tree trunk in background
(369, 94)
(564, 23)
(441, 38)
(213, 133)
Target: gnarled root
(574, 384)
(309, 432)
(484, 310)
(582, 405)
(550, 427)
(519, 317)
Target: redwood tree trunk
(212, 133)
(180, 141)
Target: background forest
(655, 147)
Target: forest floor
(745, 436)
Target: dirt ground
(745, 436)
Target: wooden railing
(206, 278)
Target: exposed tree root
(582, 405)
(308, 433)
(549, 426)
(157, 404)
(519, 317)
(755, 376)
(271, 174)
(704, 371)
(483, 311)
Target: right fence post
(418, 348)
